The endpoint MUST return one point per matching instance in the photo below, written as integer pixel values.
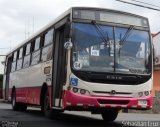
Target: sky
(19, 19)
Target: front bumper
(71, 99)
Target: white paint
(30, 77)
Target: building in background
(156, 74)
(2, 57)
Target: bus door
(59, 67)
(8, 70)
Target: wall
(156, 73)
(156, 81)
(2, 57)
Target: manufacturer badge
(113, 92)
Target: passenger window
(37, 44)
(28, 48)
(26, 61)
(19, 61)
(27, 57)
(20, 53)
(36, 52)
(35, 57)
(13, 66)
(47, 53)
(48, 37)
(15, 56)
(19, 64)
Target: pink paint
(73, 99)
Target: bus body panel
(132, 89)
(72, 99)
(28, 82)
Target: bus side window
(36, 51)
(27, 55)
(49, 37)
(19, 61)
(15, 56)
(48, 45)
(14, 61)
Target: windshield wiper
(123, 40)
(100, 31)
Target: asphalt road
(33, 118)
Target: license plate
(142, 102)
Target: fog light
(82, 91)
(146, 93)
(75, 90)
(140, 94)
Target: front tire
(46, 105)
(17, 106)
(109, 115)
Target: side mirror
(68, 45)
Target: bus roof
(62, 16)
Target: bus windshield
(102, 48)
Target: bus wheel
(109, 115)
(15, 105)
(46, 104)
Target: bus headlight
(75, 90)
(140, 94)
(84, 92)
(146, 93)
(80, 91)
(143, 94)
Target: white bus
(88, 59)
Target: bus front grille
(121, 102)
